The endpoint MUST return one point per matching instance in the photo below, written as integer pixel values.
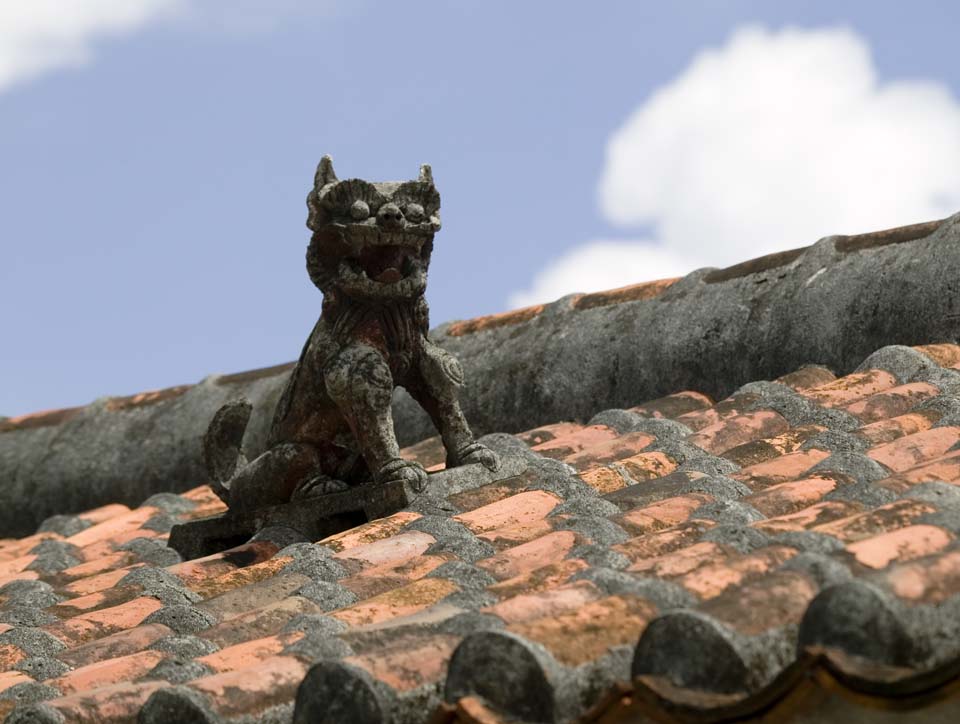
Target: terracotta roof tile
(727, 538)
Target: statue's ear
(426, 173)
(325, 174)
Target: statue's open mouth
(387, 264)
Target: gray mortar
(709, 465)
(53, 556)
(944, 379)
(826, 307)
(280, 535)
(430, 503)
(766, 389)
(836, 441)
(595, 528)
(823, 569)
(41, 668)
(465, 575)
(183, 618)
(720, 487)
(865, 493)
(328, 595)
(945, 497)
(161, 584)
(808, 541)
(901, 361)
(160, 523)
(517, 676)
(29, 692)
(663, 594)
(334, 692)
(411, 706)
(857, 465)
(178, 671)
(152, 552)
(945, 405)
(731, 512)
(470, 600)
(585, 505)
(599, 556)
(558, 478)
(625, 421)
(26, 616)
(178, 704)
(742, 538)
(22, 592)
(799, 411)
(319, 647)
(935, 631)
(452, 537)
(170, 503)
(185, 646)
(314, 561)
(65, 525)
(860, 619)
(592, 681)
(35, 714)
(316, 624)
(33, 641)
(468, 622)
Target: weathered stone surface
(834, 304)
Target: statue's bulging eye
(359, 210)
(413, 212)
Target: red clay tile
(648, 466)
(728, 407)
(427, 452)
(884, 431)
(254, 596)
(375, 530)
(586, 634)
(258, 623)
(12, 678)
(113, 527)
(249, 653)
(912, 450)
(543, 578)
(681, 561)
(103, 622)
(92, 584)
(108, 672)
(653, 545)
(540, 435)
(927, 580)
(380, 579)
(713, 579)
(809, 517)
(492, 321)
(521, 509)
(11, 549)
(631, 293)
(403, 601)
(531, 606)
(550, 548)
(850, 388)
(946, 468)
(662, 514)
(400, 547)
(772, 601)
(898, 514)
(95, 601)
(892, 402)
(739, 429)
(116, 704)
(902, 544)
(781, 469)
(945, 355)
(759, 451)
(610, 450)
(116, 645)
(10, 656)
(577, 441)
(807, 377)
(411, 666)
(786, 498)
(606, 479)
(673, 406)
(517, 534)
(195, 572)
(10, 569)
(253, 690)
(241, 577)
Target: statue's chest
(389, 328)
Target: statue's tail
(223, 443)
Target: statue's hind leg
(273, 477)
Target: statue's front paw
(479, 453)
(399, 470)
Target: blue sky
(153, 167)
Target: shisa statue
(332, 427)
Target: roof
(714, 330)
(789, 551)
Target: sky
(155, 156)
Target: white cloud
(771, 142)
(601, 265)
(42, 35)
